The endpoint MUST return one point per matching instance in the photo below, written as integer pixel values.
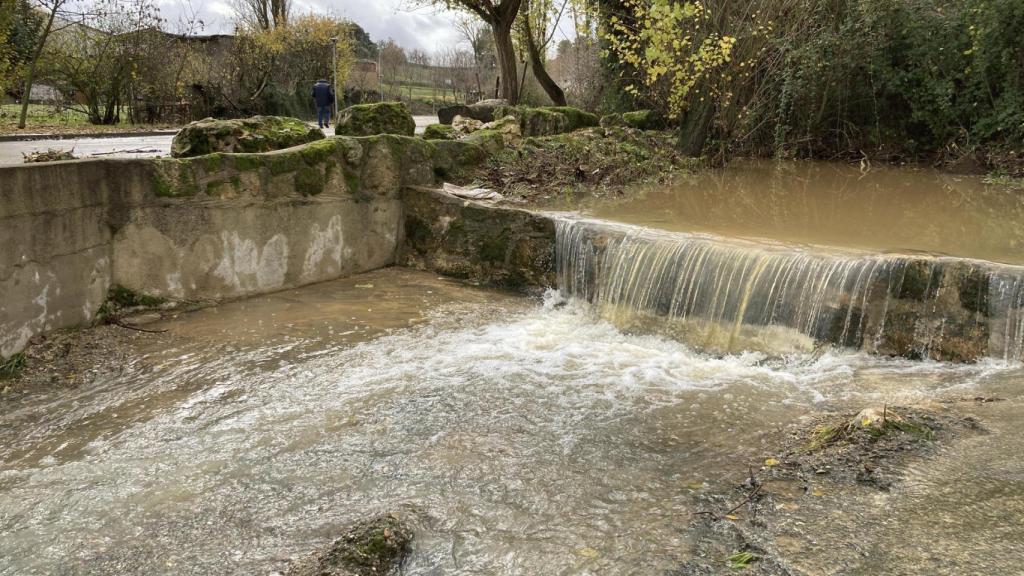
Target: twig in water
(118, 322)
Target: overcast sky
(412, 27)
(423, 28)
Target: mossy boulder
(438, 132)
(549, 120)
(256, 134)
(644, 120)
(379, 118)
(613, 120)
(483, 111)
(373, 547)
(577, 118)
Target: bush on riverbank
(892, 79)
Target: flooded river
(884, 209)
(516, 436)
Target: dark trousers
(323, 115)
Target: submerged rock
(868, 447)
(372, 547)
(255, 134)
(378, 118)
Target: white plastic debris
(471, 193)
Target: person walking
(323, 96)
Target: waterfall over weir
(729, 295)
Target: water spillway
(729, 295)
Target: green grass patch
(741, 560)
(46, 119)
(12, 366)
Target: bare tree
(262, 14)
(537, 32)
(392, 59)
(500, 15)
(60, 14)
(475, 34)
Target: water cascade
(728, 295)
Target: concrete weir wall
(213, 227)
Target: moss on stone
(644, 120)
(490, 141)
(374, 547)
(612, 120)
(352, 181)
(174, 178)
(283, 163)
(128, 298)
(973, 290)
(378, 118)
(255, 134)
(494, 248)
(919, 281)
(309, 181)
(212, 162)
(438, 132)
(548, 120)
(247, 162)
(319, 152)
(577, 118)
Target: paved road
(128, 146)
(117, 147)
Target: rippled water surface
(517, 436)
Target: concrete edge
(35, 137)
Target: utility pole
(334, 74)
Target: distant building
(43, 94)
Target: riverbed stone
(255, 134)
(373, 547)
(376, 118)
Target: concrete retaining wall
(212, 227)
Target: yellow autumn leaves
(668, 42)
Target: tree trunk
(31, 75)
(550, 87)
(506, 61)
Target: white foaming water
(511, 444)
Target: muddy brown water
(516, 436)
(883, 209)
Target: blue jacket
(323, 94)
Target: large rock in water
(256, 134)
(372, 119)
(373, 547)
(482, 111)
